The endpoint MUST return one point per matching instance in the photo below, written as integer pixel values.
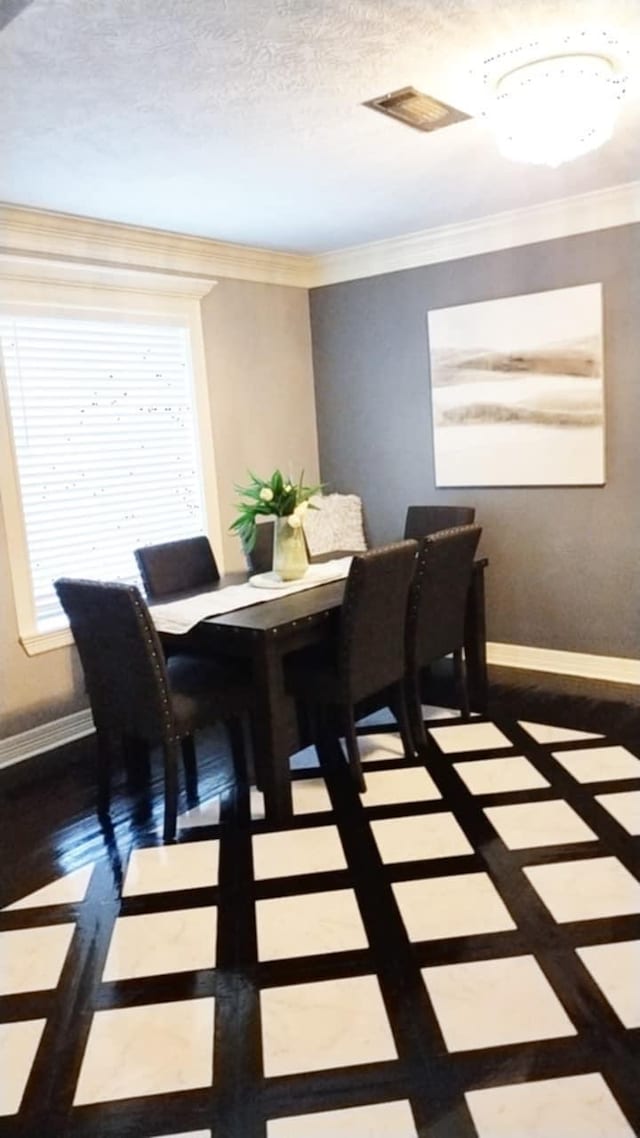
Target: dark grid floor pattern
(454, 954)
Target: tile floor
(454, 954)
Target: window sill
(36, 642)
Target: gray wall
(564, 562)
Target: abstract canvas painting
(517, 390)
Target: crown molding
(43, 270)
(583, 213)
(48, 235)
(614, 669)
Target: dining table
(264, 633)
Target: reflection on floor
(454, 954)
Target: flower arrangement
(277, 496)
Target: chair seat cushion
(203, 690)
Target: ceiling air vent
(416, 110)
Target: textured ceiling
(241, 119)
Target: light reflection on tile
(599, 764)
(527, 825)
(580, 1106)
(419, 836)
(330, 1023)
(66, 890)
(460, 905)
(403, 784)
(495, 776)
(375, 748)
(148, 1050)
(379, 1120)
(204, 814)
(486, 1003)
(182, 940)
(315, 850)
(31, 960)
(309, 796)
(157, 869)
(18, 1045)
(587, 888)
(624, 807)
(544, 733)
(461, 737)
(616, 970)
(309, 923)
(189, 1134)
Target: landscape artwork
(517, 390)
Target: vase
(290, 560)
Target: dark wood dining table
(264, 633)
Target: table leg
(475, 642)
(271, 732)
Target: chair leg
(460, 673)
(170, 758)
(414, 709)
(353, 751)
(190, 769)
(402, 715)
(238, 751)
(254, 765)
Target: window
(102, 415)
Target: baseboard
(45, 737)
(614, 669)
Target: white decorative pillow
(335, 525)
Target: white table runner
(178, 617)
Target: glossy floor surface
(453, 954)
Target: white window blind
(105, 439)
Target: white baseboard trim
(45, 737)
(615, 669)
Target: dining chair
(366, 656)
(175, 567)
(423, 520)
(436, 614)
(136, 694)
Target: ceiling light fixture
(551, 110)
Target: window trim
(31, 286)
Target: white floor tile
(419, 836)
(381, 1120)
(578, 1106)
(204, 814)
(159, 869)
(375, 748)
(459, 737)
(585, 889)
(544, 733)
(461, 905)
(304, 759)
(190, 1134)
(316, 850)
(309, 923)
(380, 718)
(331, 1023)
(624, 807)
(154, 1049)
(155, 943)
(599, 764)
(403, 784)
(495, 776)
(18, 1045)
(309, 796)
(616, 970)
(65, 891)
(528, 824)
(486, 1003)
(31, 960)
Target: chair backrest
(259, 558)
(176, 567)
(423, 520)
(372, 620)
(438, 595)
(121, 655)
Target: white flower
(295, 521)
(287, 488)
(301, 509)
(266, 494)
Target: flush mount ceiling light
(550, 110)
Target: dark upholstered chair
(366, 657)
(135, 694)
(423, 520)
(177, 567)
(436, 614)
(259, 559)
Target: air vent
(417, 110)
